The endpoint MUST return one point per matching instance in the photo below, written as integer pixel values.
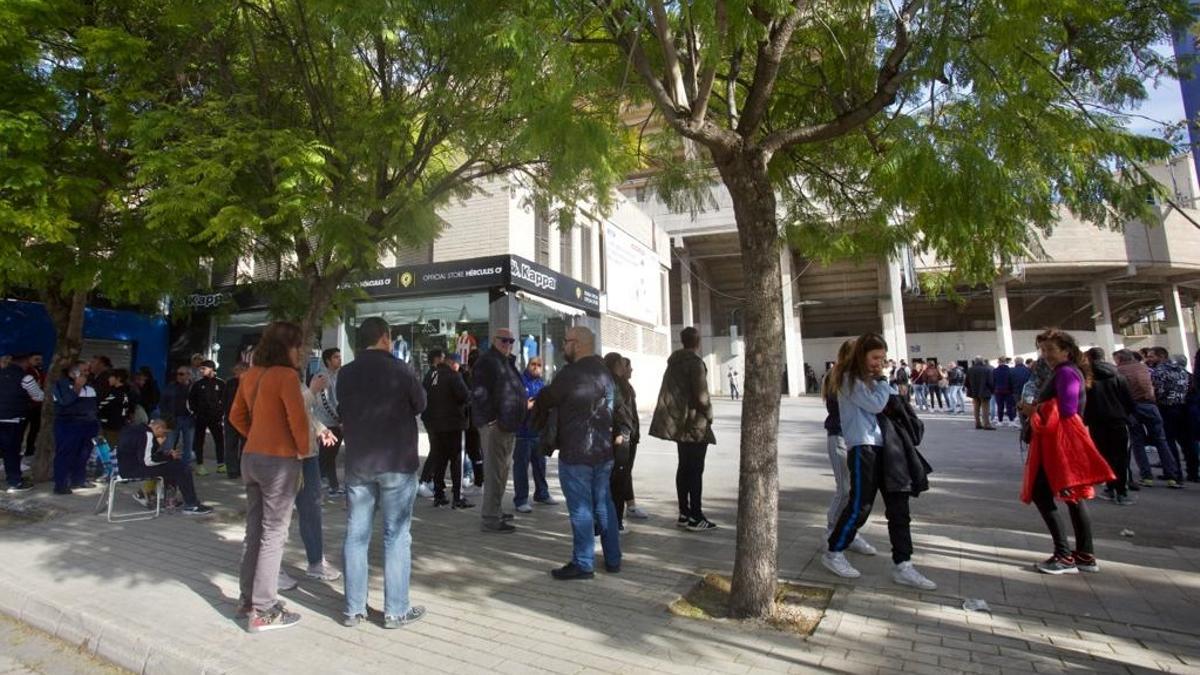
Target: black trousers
(865, 483)
(475, 454)
(31, 426)
(621, 482)
(689, 479)
(176, 474)
(217, 427)
(1043, 498)
(1180, 441)
(1112, 440)
(233, 452)
(327, 459)
(445, 449)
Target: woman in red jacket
(1063, 462)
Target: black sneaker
(441, 501)
(24, 486)
(413, 615)
(462, 504)
(571, 571)
(197, 510)
(682, 522)
(505, 517)
(1057, 564)
(499, 528)
(352, 620)
(612, 569)
(1107, 494)
(273, 619)
(63, 491)
(702, 525)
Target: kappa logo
(406, 279)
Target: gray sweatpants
(497, 462)
(836, 445)
(271, 487)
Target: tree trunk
(66, 313)
(320, 292)
(755, 569)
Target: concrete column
(685, 293)
(576, 252)
(1177, 341)
(705, 322)
(1102, 312)
(504, 311)
(793, 350)
(594, 233)
(555, 238)
(1004, 337)
(891, 312)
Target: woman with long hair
(1063, 461)
(862, 394)
(836, 445)
(627, 427)
(270, 413)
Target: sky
(1165, 103)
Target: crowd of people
(1086, 421)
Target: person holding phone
(76, 423)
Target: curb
(105, 639)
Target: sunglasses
(507, 340)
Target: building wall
(478, 225)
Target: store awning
(550, 304)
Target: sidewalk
(159, 596)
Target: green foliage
(327, 135)
(74, 76)
(962, 129)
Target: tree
(325, 135)
(957, 127)
(75, 75)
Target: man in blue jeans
(583, 394)
(174, 406)
(379, 398)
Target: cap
(209, 364)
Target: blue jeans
(956, 402)
(526, 454)
(589, 501)
(72, 448)
(308, 506)
(922, 394)
(394, 493)
(1147, 425)
(183, 434)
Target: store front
(455, 306)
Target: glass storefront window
(542, 333)
(454, 323)
(235, 338)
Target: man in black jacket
(584, 395)
(446, 420)
(1109, 408)
(140, 454)
(498, 407)
(379, 398)
(206, 398)
(425, 486)
(233, 440)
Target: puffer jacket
(684, 411)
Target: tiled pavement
(157, 596)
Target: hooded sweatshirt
(1109, 399)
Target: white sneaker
(907, 575)
(323, 571)
(286, 582)
(637, 513)
(525, 508)
(861, 546)
(837, 563)
(425, 490)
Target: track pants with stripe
(866, 477)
